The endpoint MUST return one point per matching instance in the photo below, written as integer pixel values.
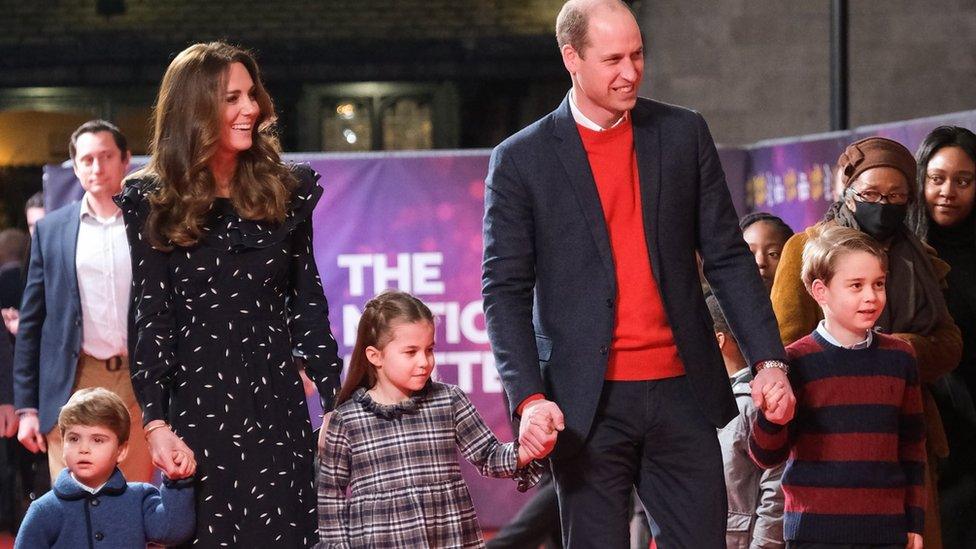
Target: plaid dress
(389, 476)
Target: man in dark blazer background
(593, 217)
(74, 312)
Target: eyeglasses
(873, 197)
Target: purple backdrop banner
(793, 178)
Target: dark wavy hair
(937, 139)
(376, 330)
(187, 122)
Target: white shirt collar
(583, 120)
(86, 210)
(87, 488)
(864, 344)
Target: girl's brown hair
(187, 122)
(376, 330)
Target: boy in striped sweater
(855, 450)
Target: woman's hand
(164, 446)
(322, 430)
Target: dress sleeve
(152, 334)
(479, 446)
(308, 310)
(335, 467)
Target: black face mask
(879, 220)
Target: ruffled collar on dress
(390, 411)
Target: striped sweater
(855, 450)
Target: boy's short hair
(824, 249)
(99, 407)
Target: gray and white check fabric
(389, 475)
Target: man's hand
(541, 420)
(11, 319)
(29, 433)
(164, 446)
(914, 541)
(8, 421)
(771, 393)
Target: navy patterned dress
(216, 327)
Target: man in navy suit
(593, 217)
(74, 315)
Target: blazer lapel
(570, 151)
(647, 143)
(69, 251)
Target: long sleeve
(33, 309)
(479, 446)
(308, 316)
(508, 278)
(796, 312)
(152, 345)
(768, 530)
(39, 528)
(6, 369)
(912, 453)
(769, 443)
(335, 468)
(168, 513)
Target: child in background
(855, 451)
(766, 235)
(91, 504)
(393, 438)
(755, 496)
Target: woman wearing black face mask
(879, 186)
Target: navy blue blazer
(548, 278)
(49, 336)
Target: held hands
(541, 422)
(771, 393)
(169, 453)
(29, 433)
(914, 541)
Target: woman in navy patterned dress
(225, 294)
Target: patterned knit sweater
(855, 449)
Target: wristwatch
(778, 364)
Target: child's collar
(66, 487)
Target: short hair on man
(36, 200)
(822, 252)
(95, 126)
(719, 321)
(573, 20)
(96, 407)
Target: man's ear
(721, 339)
(374, 356)
(571, 58)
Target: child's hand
(914, 541)
(185, 465)
(540, 422)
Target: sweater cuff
(768, 426)
(178, 484)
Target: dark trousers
(652, 435)
(537, 523)
(816, 545)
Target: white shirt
(822, 330)
(104, 281)
(85, 487)
(583, 120)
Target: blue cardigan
(120, 515)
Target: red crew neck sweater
(643, 345)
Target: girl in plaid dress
(389, 475)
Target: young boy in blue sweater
(91, 504)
